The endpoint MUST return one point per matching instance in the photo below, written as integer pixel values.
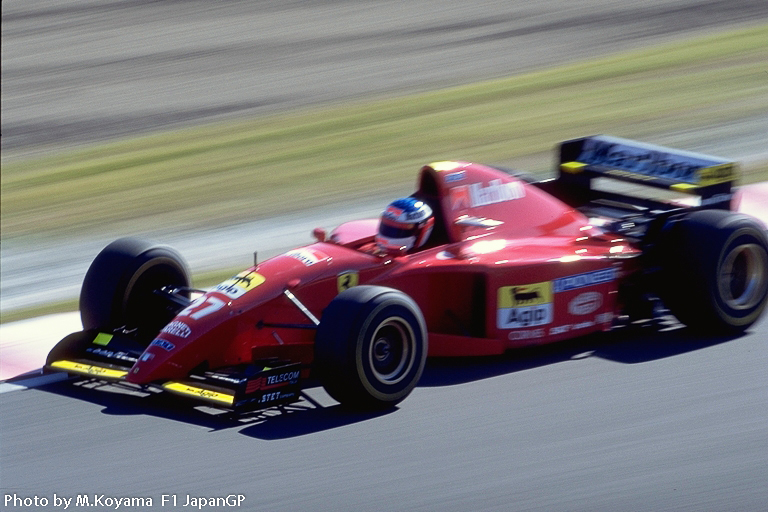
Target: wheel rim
(742, 279)
(390, 354)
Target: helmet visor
(396, 230)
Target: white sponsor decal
(585, 303)
(307, 256)
(604, 318)
(495, 192)
(526, 335)
(604, 275)
(455, 176)
(166, 345)
(476, 194)
(177, 328)
(583, 325)
(529, 316)
(283, 377)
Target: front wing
(109, 357)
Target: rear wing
(709, 177)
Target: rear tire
(371, 347)
(715, 276)
(118, 290)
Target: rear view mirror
(319, 234)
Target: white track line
(33, 382)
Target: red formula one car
(476, 262)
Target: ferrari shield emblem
(347, 280)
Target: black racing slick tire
(370, 347)
(715, 277)
(119, 287)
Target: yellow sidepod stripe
(88, 369)
(186, 389)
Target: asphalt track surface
(645, 420)
(640, 419)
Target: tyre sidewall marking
(739, 237)
(376, 388)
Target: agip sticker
(528, 305)
(243, 282)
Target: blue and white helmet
(406, 224)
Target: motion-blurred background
(227, 127)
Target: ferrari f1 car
(509, 262)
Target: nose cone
(161, 360)
(182, 344)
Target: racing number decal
(347, 280)
(526, 305)
(202, 307)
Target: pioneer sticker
(604, 275)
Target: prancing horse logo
(521, 297)
(347, 280)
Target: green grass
(242, 170)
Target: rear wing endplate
(706, 176)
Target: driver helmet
(405, 224)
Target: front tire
(371, 347)
(119, 287)
(715, 276)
